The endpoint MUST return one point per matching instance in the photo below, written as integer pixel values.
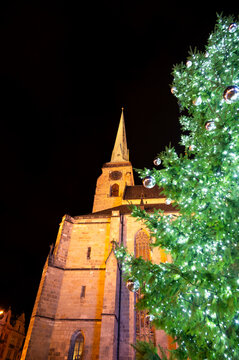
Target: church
(83, 309)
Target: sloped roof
(139, 192)
(126, 209)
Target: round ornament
(149, 318)
(157, 161)
(210, 125)
(197, 101)
(191, 148)
(231, 94)
(232, 28)
(132, 286)
(173, 90)
(149, 182)
(168, 201)
(189, 63)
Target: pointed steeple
(120, 151)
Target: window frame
(83, 289)
(88, 253)
(77, 334)
(143, 328)
(114, 190)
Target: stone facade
(81, 289)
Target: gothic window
(144, 330)
(114, 190)
(76, 346)
(142, 245)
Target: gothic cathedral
(83, 309)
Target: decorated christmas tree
(195, 299)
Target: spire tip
(120, 151)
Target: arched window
(114, 190)
(144, 330)
(76, 346)
(142, 245)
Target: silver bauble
(210, 125)
(132, 285)
(157, 161)
(232, 27)
(149, 182)
(197, 101)
(231, 94)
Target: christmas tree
(195, 299)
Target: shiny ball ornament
(232, 28)
(132, 286)
(168, 201)
(231, 94)
(191, 148)
(197, 101)
(157, 161)
(149, 182)
(189, 63)
(210, 125)
(173, 90)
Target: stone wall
(81, 290)
(38, 337)
(103, 199)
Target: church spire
(120, 151)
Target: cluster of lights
(203, 239)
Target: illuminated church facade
(83, 309)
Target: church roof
(117, 164)
(141, 192)
(126, 209)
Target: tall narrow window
(142, 245)
(76, 346)
(88, 253)
(82, 295)
(144, 330)
(114, 190)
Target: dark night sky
(66, 69)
